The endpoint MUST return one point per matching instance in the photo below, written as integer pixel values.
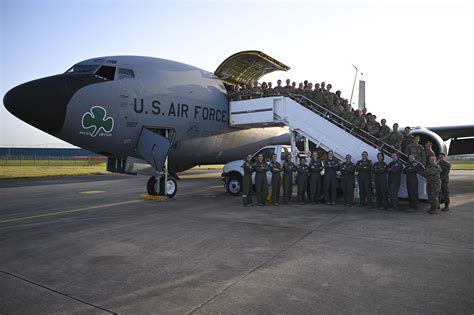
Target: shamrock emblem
(97, 118)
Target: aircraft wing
(462, 138)
(248, 66)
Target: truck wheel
(234, 185)
(153, 186)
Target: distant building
(45, 152)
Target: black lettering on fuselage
(205, 113)
(184, 110)
(138, 110)
(156, 107)
(224, 116)
(172, 111)
(212, 113)
(196, 111)
(218, 115)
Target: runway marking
(91, 192)
(70, 211)
(91, 207)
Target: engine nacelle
(427, 135)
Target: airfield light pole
(353, 85)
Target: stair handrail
(330, 115)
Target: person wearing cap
(394, 170)
(411, 171)
(347, 169)
(417, 150)
(288, 169)
(433, 184)
(364, 169)
(429, 151)
(331, 166)
(247, 181)
(302, 170)
(373, 126)
(445, 170)
(315, 168)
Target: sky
(416, 56)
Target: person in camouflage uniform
(433, 184)
(384, 130)
(329, 97)
(288, 169)
(429, 151)
(411, 171)
(347, 169)
(278, 89)
(287, 89)
(417, 150)
(261, 181)
(275, 169)
(315, 167)
(381, 189)
(445, 169)
(395, 138)
(331, 166)
(407, 139)
(364, 169)
(317, 95)
(247, 181)
(358, 120)
(256, 91)
(373, 126)
(302, 179)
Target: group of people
(321, 176)
(322, 95)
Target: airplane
(149, 114)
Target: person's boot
(433, 210)
(446, 206)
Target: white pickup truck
(233, 171)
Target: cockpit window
(82, 69)
(106, 72)
(125, 73)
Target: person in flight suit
(348, 180)
(379, 169)
(261, 182)
(364, 169)
(315, 168)
(445, 169)
(331, 166)
(411, 171)
(288, 169)
(433, 184)
(394, 170)
(302, 179)
(275, 169)
(417, 150)
(247, 181)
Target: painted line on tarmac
(92, 207)
(70, 211)
(91, 192)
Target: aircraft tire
(153, 189)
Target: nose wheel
(157, 187)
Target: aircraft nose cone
(41, 103)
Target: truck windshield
(82, 69)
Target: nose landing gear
(157, 187)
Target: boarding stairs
(319, 125)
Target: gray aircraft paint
(167, 95)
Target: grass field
(29, 168)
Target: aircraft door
(153, 148)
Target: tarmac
(88, 244)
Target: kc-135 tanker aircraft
(143, 111)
